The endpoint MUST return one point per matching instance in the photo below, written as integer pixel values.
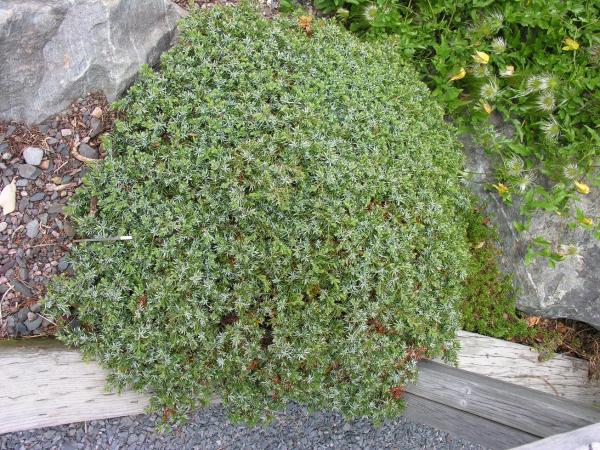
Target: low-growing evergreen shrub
(294, 200)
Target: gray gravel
(36, 237)
(209, 428)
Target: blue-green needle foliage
(294, 201)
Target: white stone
(33, 155)
(8, 198)
(97, 112)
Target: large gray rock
(55, 51)
(571, 289)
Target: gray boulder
(571, 289)
(56, 51)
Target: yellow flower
(582, 188)
(587, 221)
(501, 188)
(571, 45)
(508, 71)
(481, 57)
(487, 107)
(459, 75)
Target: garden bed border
(42, 383)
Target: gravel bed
(209, 428)
(40, 168)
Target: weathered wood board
(525, 409)
(465, 425)
(586, 438)
(563, 376)
(52, 385)
(44, 384)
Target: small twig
(44, 317)
(61, 166)
(79, 156)
(108, 239)
(45, 245)
(10, 287)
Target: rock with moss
(294, 202)
(568, 289)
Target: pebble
(66, 132)
(68, 229)
(97, 112)
(62, 265)
(23, 289)
(32, 228)
(35, 308)
(210, 429)
(97, 127)
(55, 208)
(63, 150)
(22, 330)
(37, 197)
(88, 152)
(33, 155)
(3, 226)
(33, 324)
(22, 313)
(28, 171)
(23, 204)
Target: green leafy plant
(488, 303)
(294, 202)
(535, 63)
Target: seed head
(370, 13)
(546, 102)
(551, 129)
(571, 171)
(489, 90)
(514, 166)
(526, 181)
(498, 45)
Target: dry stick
(108, 239)
(10, 287)
(61, 166)
(44, 317)
(46, 245)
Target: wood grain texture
(563, 376)
(467, 426)
(46, 384)
(51, 385)
(528, 410)
(581, 439)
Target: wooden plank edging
(45, 384)
(522, 408)
(581, 439)
(563, 376)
